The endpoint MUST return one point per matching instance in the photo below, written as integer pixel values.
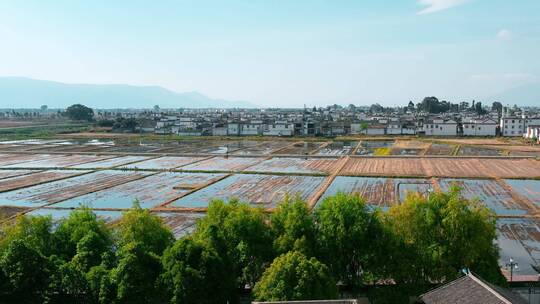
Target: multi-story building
(479, 127)
(440, 127)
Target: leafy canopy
(293, 276)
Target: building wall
(376, 131)
(512, 126)
(441, 129)
(478, 129)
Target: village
(351, 120)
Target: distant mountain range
(18, 92)
(525, 95)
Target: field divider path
(355, 150)
(425, 151)
(455, 151)
(324, 145)
(324, 186)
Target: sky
(282, 53)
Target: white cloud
(504, 34)
(438, 5)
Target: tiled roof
(470, 289)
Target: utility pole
(512, 265)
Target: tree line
(289, 254)
(434, 106)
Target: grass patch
(40, 132)
(382, 151)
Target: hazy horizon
(280, 53)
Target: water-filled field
(257, 189)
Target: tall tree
(137, 273)
(192, 269)
(444, 233)
(80, 112)
(293, 276)
(497, 106)
(26, 272)
(140, 226)
(479, 108)
(241, 236)
(293, 227)
(345, 230)
(84, 235)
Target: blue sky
(280, 53)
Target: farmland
(177, 179)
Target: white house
(233, 129)
(513, 125)
(376, 129)
(279, 129)
(356, 128)
(533, 132)
(480, 127)
(253, 128)
(440, 127)
(394, 127)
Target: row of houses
(329, 123)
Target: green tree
(347, 237)
(34, 231)
(293, 276)
(241, 237)
(191, 270)
(363, 127)
(292, 227)
(497, 106)
(142, 238)
(26, 272)
(140, 226)
(80, 112)
(84, 237)
(479, 108)
(101, 289)
(136, 275)
(443, 233)
(68, 283)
